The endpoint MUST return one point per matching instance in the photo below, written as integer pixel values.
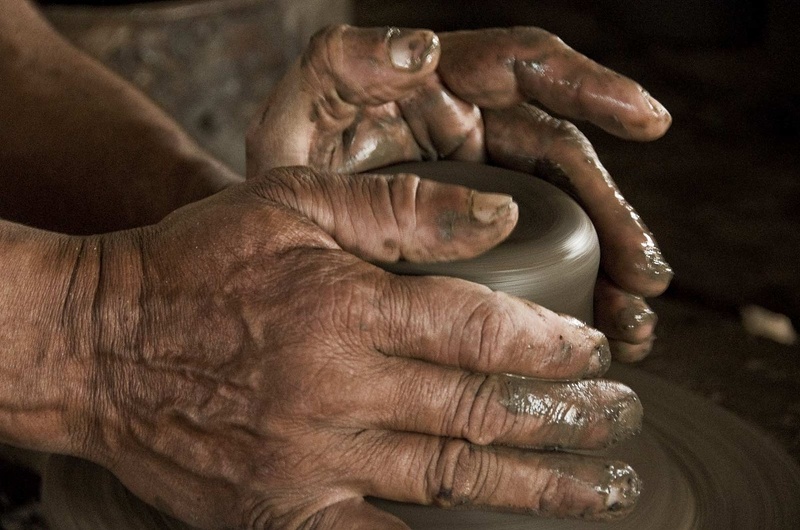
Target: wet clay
(566, 407)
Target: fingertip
(600, 360)
(637, 264)
(486, 208)
(621, 487)
(626, 416)
(621, 315)
(594, 490)
(660, 118)
(455, 223)
(645, 126)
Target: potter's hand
(364, 98)
(261, 375)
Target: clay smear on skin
(656, 264)
(620, 487)
(558, 404)
(573, 404)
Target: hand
(253, 372)
(360, 99)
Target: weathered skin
(347, 106)
(280, 380)
(238, 364)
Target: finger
(622, 316)
(453, 473)
(528, 139)
(507, 410)
(354, 514)
(321, 102)
(443, 125)
(497, 68)
(377, 137)
(485, 332)
(627, 352)
(387, 218)
(370, 66)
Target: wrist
(67, 304)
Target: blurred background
(721, 191)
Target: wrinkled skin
(360, 99)
(273, 382)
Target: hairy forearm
(81, 150)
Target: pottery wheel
(702, 467)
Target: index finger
(500, 67)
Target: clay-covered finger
(505, 409)
(386, 218)
(498, 68)
(370, 66)
(443, 125)
(527, 139)
(452, 473)
(354, 514)
(377, 137)
(334, 109)
(622, 316)
(456, 323)
(627, 352)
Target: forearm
(54, 319)
(81, 150)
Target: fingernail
(625, 416)
(488, 207)
(601, 358)
(658, 109)
(621, 487)
(411, 49)
(655, 106)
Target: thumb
(392, 217)
(355, 514)
(370, 66)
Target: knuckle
(489, 332)
(318, 48)
(483, 425)
(552, 496)
(533, 36)
(550, 39)
(460, 475)
(403, 192)
(297, 187)
(567, 136)
(566, 131)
